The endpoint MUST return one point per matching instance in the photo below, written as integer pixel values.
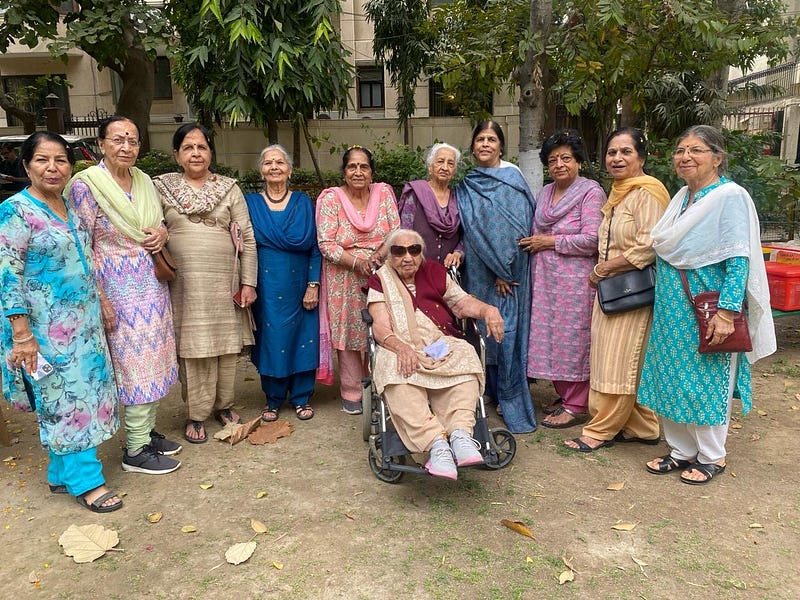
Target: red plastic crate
(784, 285)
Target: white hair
(431, 155)
(280, 149)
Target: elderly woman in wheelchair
(429, 375)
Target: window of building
(440, 107)
(370, 87)
(29, 92)
(163, 79)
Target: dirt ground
(335, 531)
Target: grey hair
(280, 149)
(713, 138)
(431, 155)
(390, 240)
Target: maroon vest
(431, 283)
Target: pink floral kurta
(561, 307)
(336, 234)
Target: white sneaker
(466, 449)
(440, 462)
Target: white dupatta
(722, 224)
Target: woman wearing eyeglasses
(710, 231)
(118, 205)
(430, 376)
(211, 328)
(563, 250)
(353, 222)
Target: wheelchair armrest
(366, 317)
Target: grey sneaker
(149, 461)
(351, 407)
(465, 448)
(161, 444)
(440, 461)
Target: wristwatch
(313, 284)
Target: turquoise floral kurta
(45, 274)
(678, 382)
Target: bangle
(22, 340)
(312, 284)
(17, 316)
(724, 318)
(355, 260)
(596, 274)
(387, 336)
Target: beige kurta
(207, 322)
(619, 341)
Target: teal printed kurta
(678, 382)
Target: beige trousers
(207, 384)
(612, 413)
(421, 415)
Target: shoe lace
(465, 438)
(440, 453)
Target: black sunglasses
(413, 250)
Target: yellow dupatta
(622, 188)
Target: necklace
(279, 200)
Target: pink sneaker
(440, 462)
(465, 449)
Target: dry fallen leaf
(87, 542)
(238, 553)
(9, 459)
(528, 559)
(188, 529)
(519, 527)
(226, 432)
(566, 576)
(621, 526)
(258, 526)
(756, 526)
(206, 486)
(154, 517)
(269, 433)
(260, 495)
(243, 430)
(736, 425)
(615, 487)
(641, 563)
(277, 565)
(763, 413)
(33, 577)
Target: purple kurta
(561, 307)
(439, 227)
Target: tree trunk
(28, 118)
(296, 149)
(136, 97)
(272, 131)
(310, 144)
(533, 79)
(718, 80)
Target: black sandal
(667, 464)
(710, 471)
(304, 408)
(225, 417)
(198, 426)
(268, 415)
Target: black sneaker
(161, 444)
(149, 461)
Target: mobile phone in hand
(43, 368)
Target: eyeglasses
(693, 152)
(564, 158)
(400, 251)
(207, 221)
(122, 141)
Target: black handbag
(626, 291)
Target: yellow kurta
(619, 341)
(207, 322)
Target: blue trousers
(298, 386)
(80, 472)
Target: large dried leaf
(615, 487)
(226, 432)
(566, 576)
(238, 553)
(269, 433)
(240, 431)
(622, 526)
(519, 527)
(87, 542)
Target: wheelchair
(388, 457)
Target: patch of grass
(782, 367)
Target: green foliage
(399, 165)
(773, 185)
(82, 165)
(156, 162)
(260, 60)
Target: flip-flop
(97, 505)
(667, 464)
(57, 489)
(197, 425)
(636, 440)
(552, 407)
(577, 419)
(225, 416)
(710, 471)
(584, 447)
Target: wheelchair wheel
(375, 463)
(503, 448)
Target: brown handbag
(164, 265)
(705, 307)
